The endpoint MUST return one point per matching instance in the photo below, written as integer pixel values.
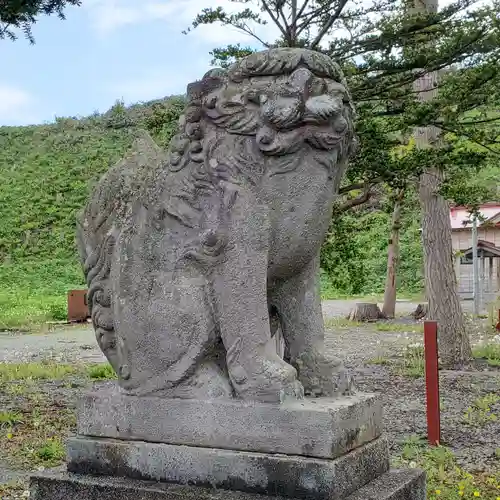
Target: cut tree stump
(420, 312)
(365, 312)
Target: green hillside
(46, 172)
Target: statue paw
(322, 375)
(268, 379)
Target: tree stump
(420, 312)
(365, 312)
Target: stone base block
(286, 475)
(394, 485)
(321, 428)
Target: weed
(490, 352)
(35, 371)
(445, 479)
(480, 413)
(413, 361)
(51, 452)
(10, 418)
(398, 327)
(102, 371)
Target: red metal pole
(432, 383)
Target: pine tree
(22, 14)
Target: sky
(107, 50)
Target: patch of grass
(445, 479)
(27, 310)
(33, 430)
(398, 327)
(51, 451)
(10, 418)
(340, 322)
(413, 361)
(13, 489)
(481, 412)
(38, 424)
(35, 371)
(47, 172)
(17, 389)
(101, 371)
(489, 352)
(23, 373)
(38, 439)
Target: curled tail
(98, 228)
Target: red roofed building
(488, 233)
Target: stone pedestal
(156, 448)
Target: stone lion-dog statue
(196, 255)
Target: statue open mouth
(276, 143)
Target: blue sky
(106, 50)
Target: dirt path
(63, 345)
(78, 342)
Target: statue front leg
(298, 302)
(240, 293)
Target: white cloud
(16, 106)
(110, 15)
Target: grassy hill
(46, 172)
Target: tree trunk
(389, 306)
(440, 279)
(365, 312)
(420, 312)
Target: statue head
(271, 104)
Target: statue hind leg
(298, 302)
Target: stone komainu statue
(191, 255)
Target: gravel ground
(403, 397)
(476, 446)
(78, 342)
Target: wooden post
(432, 383)
(490, 275)
(482, 288)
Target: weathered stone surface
(194, 257)
(321, 427)
(394, 485)
(286, 475)
(398, 484)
